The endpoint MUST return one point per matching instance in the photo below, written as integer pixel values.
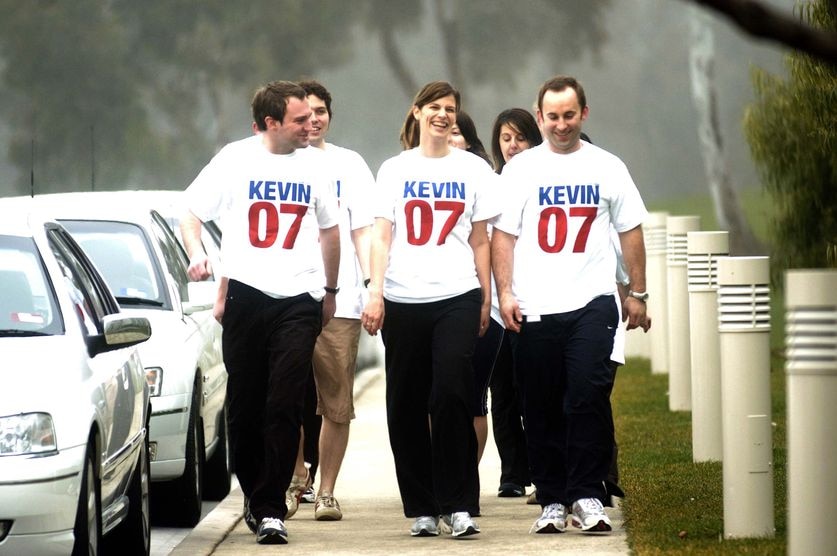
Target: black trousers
(268, 344)
(563, 364)
(507, 419)
(428, 369)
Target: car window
(173, 253)
(27, 299)
(122, 254)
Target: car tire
(133, 536)
(217, 476)
(88, 525)
(178, 503)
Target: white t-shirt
(618, 353)
(561, 208)
(432, 203)
(273, 207)
(353, 182)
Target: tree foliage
(473, 50)
(792, 133)
(128, 93)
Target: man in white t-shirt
(281, 251)
(554, 266)
(335, 354)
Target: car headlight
(154, 378)
(27, 433)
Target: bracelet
(331, 290)
(366, 282)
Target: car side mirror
(119, 331)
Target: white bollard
(654, 231)
(704, 249)
(744, 330)
(677, 283)
(811, 368)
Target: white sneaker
(425, 526)
(589, 515)
(461, 524)
(552, 520)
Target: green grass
(673, 505)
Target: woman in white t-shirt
(430, 277)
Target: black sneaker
(251, 522)
(511, 490)
(272, 531)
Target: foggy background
(160, 121)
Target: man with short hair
(554, 266)
(281, 250)
(335, 354)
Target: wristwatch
(331, 290)
(642, 296)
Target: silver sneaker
(589, 515)
(461, 524)
(425, 526)
(272, 531)
(552, 520)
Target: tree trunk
(704, 95)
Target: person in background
(281, 251)
(554, 265)
(335, 354)
(430, 295)
(514, 131)
(464, 136)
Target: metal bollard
(654, 231)
(811, 369)
(744, 330)
(679, 364)
(704, 249)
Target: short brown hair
(272, 100)
(559, 83)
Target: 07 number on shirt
(268, 212)
(556, 218)
(421, 235)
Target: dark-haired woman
(430, 279)
(514, 131)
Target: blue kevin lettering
(409, 189)
(255, 192)
(270, 190)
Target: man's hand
(510, 311)
(633, 311)
(329, 306)
(372, 318)
(199, 267)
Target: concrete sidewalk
(373, 521)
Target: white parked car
(145, 267)
(74, 402)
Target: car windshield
(27, 300)
(121, 253)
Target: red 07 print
(555, 242)
(426, 216)
(267, 211)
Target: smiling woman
(429, 274)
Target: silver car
(145, 267)
(74, 402)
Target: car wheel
(133, 535)
(88, 526)
(178, 502)
(218, 471)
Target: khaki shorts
(334, 361)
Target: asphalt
(373, 521)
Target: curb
(214, 528)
